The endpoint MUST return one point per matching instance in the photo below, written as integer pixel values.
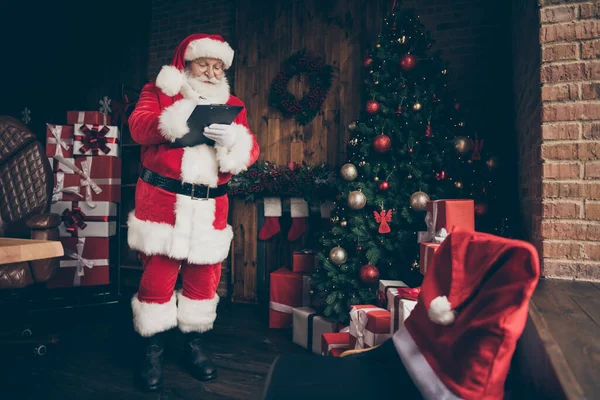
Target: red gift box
(334, 344)
(427, 252)
(66, 187)
(99, 178)
(58, 166)
(303, 262)
(85, 263)
(449, 214)
(59, 140)
(87, 117)
(288, 290)
(369, 326)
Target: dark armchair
(26, 185)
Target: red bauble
(359, 249)
(399, 111)
(367, 61)
(382, 143)
(373, 107)
(410, 150)
(481, 208)
(369, 274)
(408, 62)
(292, 165)
(457, 106)
(383, 186)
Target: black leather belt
(196, 192)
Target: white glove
(223, 135)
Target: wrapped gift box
(334, 344)
(85, 263)
(288, 290)
(309, 327)
(82, 220)
(444, 215)
(96, 140)
(59, 140)
(87, 117)
(384, 285)
(369, 326)
(66, 187)
(427, 252)
(401, 302)
(97, 179)
(303, 261)
(58, 166)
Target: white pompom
(169, 80)
(440, 311)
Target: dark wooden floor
(94, 358)
(560, 348)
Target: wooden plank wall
(340, 31)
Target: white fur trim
(193, 89)
(192, 238)
(424, 377)
(298, 207)
(169, 80)
(172, 122)
(152, 318)
(272, 206)
(199, 165)
(196, 315)
(440, 311)
(236, 159)
(210, 48)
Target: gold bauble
(492, 163)
(338, 255)
(419, 200)
(349, 172)
(462, 145)
(352, 125)
(378, 45)
(417, 106)
(458, 184)
(357, 200)
(344, 223)
(376, 179)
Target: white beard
(216, 92)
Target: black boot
(150, 374)
(196, 358)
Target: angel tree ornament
(383, 218)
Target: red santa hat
(170, 78)
(459, 339)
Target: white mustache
(211, 80)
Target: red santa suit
(176, 231)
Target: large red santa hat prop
(171, 77)
(459, 340)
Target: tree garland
(264, 179)
(320, 76)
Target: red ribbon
(74, 219)
(409, 293)
(477, 146)
(95, 139)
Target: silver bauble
(357, 200)
(349, 172)
(418, 201)
(338, 255)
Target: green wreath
(320, 76)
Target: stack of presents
(370, 324)
(84, 154)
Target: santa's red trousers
(157, 308)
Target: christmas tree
(410, 145)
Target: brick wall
(565, 213)
(173, 20)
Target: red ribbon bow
(74, 220)
(95, 139)
(477, 146)
(409, 293)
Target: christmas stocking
(272, 214)
(299, 209)
(326, 209)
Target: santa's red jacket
(172, 224)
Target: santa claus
(180, 219)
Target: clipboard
(203, 116)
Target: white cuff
(172, 122)
(236, 159)
(272, 206)
(299, 207)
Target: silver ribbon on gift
(358, 325)
(56, 139)
(431, 235)
(284, 308)
(60, 188)
(80, 262)
(85, 181)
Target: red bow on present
(74, 220)
(409, 293)
(477, 146)
(95, 139)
